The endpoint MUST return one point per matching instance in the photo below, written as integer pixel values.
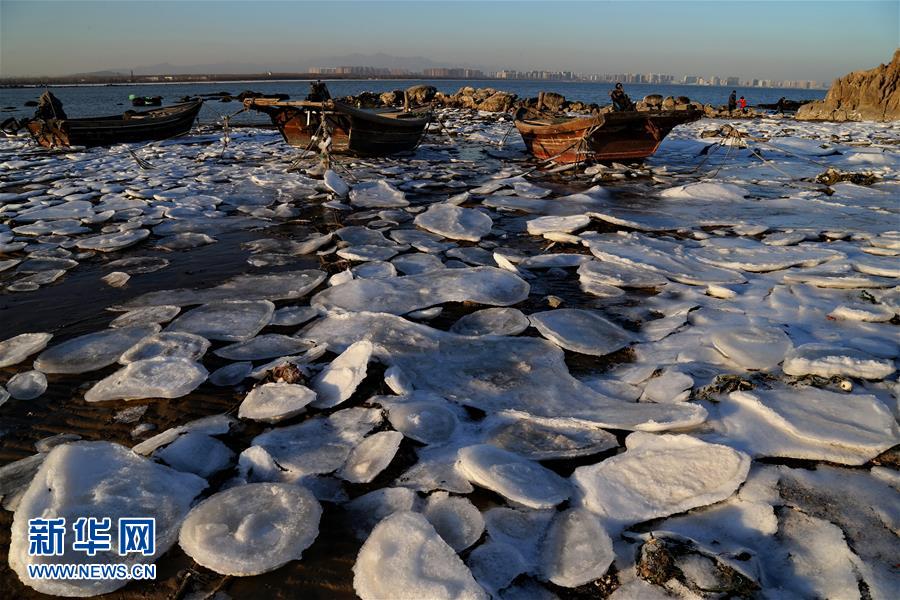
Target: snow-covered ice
(273, 402)
(518, 479)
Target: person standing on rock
(732, 101)
(742, 104)
(620, 100)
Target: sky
(816, 40)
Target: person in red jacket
(742, 103)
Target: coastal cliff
(872, 95)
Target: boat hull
(353, 131)
(159, 124)
(632, 135)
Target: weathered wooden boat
(131, 126)
(625, 135)
(363, 132)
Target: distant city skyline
(776, 41)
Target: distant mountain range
(410, 63)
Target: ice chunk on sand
(144, 316)
(339, 380)
(92, 351)
(659, 475)
(377, 194)
(368, 510)
(251, 529)
(577, 550)
(151, 378)
(518, 479)
(371, 456)
(167, 345)
(405, 557)
(492, 321)
(429, 420)
(27, 386)
(620, 275)
(455, 222)
(569, 224)
(455, 519)
(583, 331)
(494, 373)
(99, 479)
(319, 445)
(825, 360)
(227, 320)
(752, 347)
(273, 402)
(725, 192)
(542, 439)
(400, 295)
(17, 348)
(495, 565)
(268, 345)
(806, 423)
(196, 453)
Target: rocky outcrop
(421, 94)
(872, 95)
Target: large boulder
(872, 95)
(421, 94)
(498, 102)
(392, 98)
(554, 101)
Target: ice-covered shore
(676, 379)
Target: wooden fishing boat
(157, 124)
(625, 135)
(363, 132)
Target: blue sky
(797, 40)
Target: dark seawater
(80, 101)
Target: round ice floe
(104, 480)
(428, 421)
(268, 345)
(227, 320)
(109, 242)
(27, 386)
(492, 321)
(371, 456)
(517, 479)
(577, 549)
(542, 439)
(251, 529)
(887, 266)
(455, 222)
(582, 331)
(152, 378)
(405, 557)
(620, 275)
(16, 349)
(660, 475)
(92, 351)
(167, 344)
(275, 402)
(752, 347)
(376, 269)
(144, 316)
(873, 313)
(377, 194)
(413, 264)
(455, 519)
(827, 361)
(367, 253)
(339, 380)
(495, 565)
(231, 374)
(197, 453)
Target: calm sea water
(81, 101)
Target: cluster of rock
(872, 95)
(492, 100)
(722, 112)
